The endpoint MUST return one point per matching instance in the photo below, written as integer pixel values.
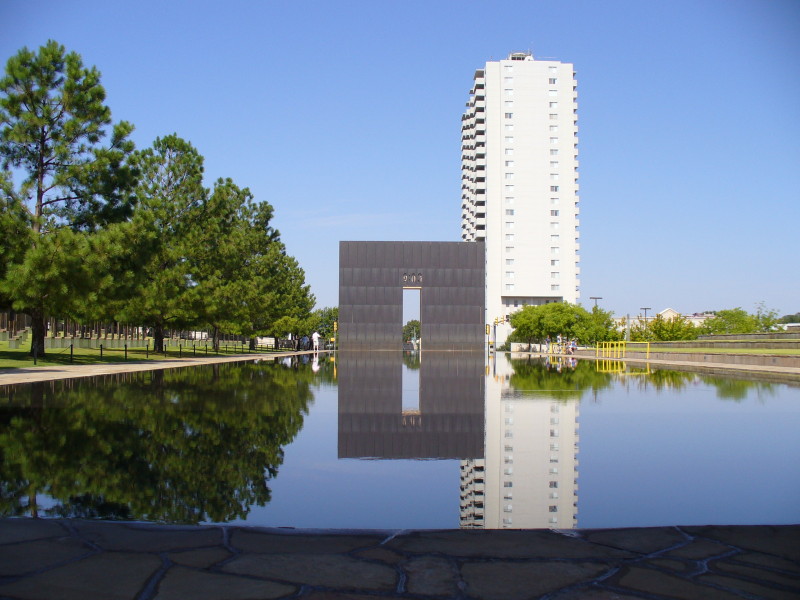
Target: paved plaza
(75, 559)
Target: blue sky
(345, 116)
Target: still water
(397, 441)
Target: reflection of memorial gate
(451, 280)
(448, 424)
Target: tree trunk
(253, 345)
(158, 338)
(215, 339)
(38, 329)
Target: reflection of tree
(738, 389)
(570, 382)
(411, 360)
(663, 379)
(182, 445)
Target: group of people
(563, 345)
(305, 344)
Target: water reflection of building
(528, 478)
(448, 423)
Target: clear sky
(346, 117)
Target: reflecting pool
(391, 440)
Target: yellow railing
(618, 349)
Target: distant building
(519, 182)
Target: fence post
(180, 350)
(126, 351)
(70, 352)
(101, 350)
(147, 349)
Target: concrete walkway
(74, 559)
(33, 374)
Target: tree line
(536, 323)
(92, 229)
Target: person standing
(315, 339)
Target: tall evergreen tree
(57, 172)
(168, 227)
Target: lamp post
(645, 309)
(595, 298)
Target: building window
(510, 212)
(553, 484)
(509, 261)
(554, 263)
(554, 201)
(554, 250)
(552, 81)
(509, 199)
(509, 92)
(509, 139)
(508, 68)
(554, 237)
(508, 484)
(510, 163)
(554, 176)
(553, 69)
(553, 188)
(509, 189)
(554, 105)
(554, 225)
(509, 151)
(555, 275)
(509, 274)
(555, 287)
(553, 508)
(508, 103)
(553, 164)
(509, 176)
(509, 237)
(553, 140)
(554, 152)
(553, 128)
(552, 93)
(553, 116)
(508, 80)
(509, 115)
(509, 127)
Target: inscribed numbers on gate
(412, 278)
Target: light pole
(595, 298)
(645, 309)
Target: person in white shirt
(315, 339)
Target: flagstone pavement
(77, 559)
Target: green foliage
(52, 122)
(535, 323)
(795, 318)
(165, 232)
(412, 330)
(663, 330)
(738, 320)
(322, 320)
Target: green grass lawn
(15, 359)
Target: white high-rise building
(519, 182)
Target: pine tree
(52, 123)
